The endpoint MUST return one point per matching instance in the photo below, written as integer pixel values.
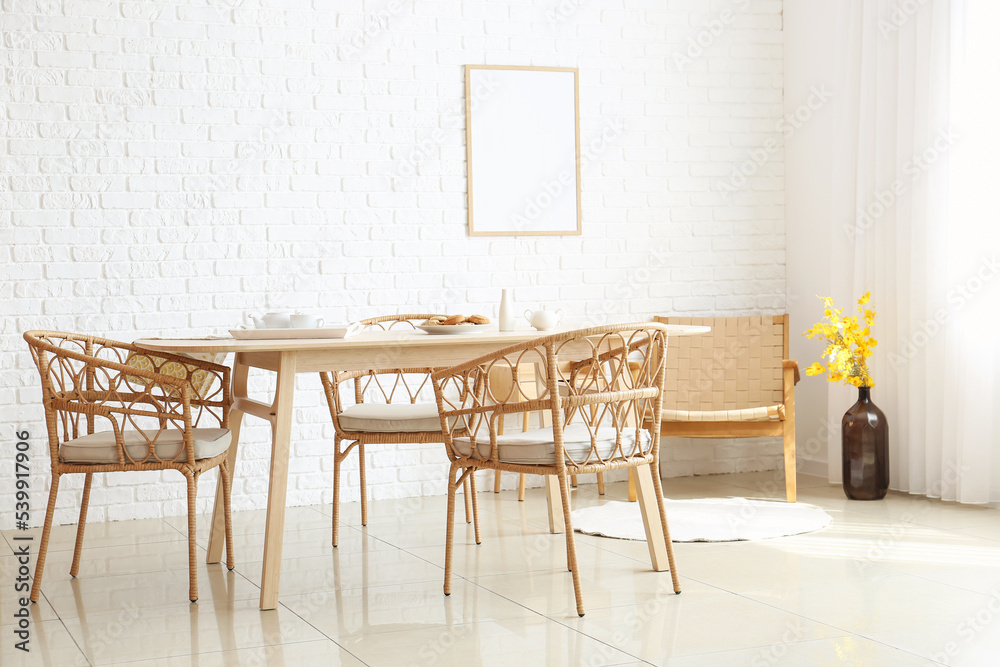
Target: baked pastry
(456, 320)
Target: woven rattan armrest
(792, 364)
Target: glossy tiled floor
(903, 581)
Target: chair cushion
(200, 379)
(770, 413)
(101, 447)
(536, 447)
(391, 417)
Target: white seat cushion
(391, 417)
(101, 447)
(536, 447)
(767, 413)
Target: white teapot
(273, 320)
(306, 321)
(544, 319)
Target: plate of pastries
(455, 325)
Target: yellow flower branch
(849, 343)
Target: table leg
(275, 526)
(648, 505)
(557, 523)
(217, 531)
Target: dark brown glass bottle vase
(865, 439)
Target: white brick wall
(167, 166)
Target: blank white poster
(523, 136)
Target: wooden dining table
(379, 350)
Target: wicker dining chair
(392, 406)
(114, 407)
(598, 406)
(735, 382)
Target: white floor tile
(849, 650)
(15, 586)
(521, 553)
(550, 592)
(768, 563)
(671, 626)
(902, 581)
(322, 652)
(536, 641)
(431, 531)
(5, 549)
(180, 630)
(300, 576)
(253, 521)
(989, 531)
(48, 644)
(84, 596)
(878, 605)
(113, 533)
(357, 612)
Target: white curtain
(916, 185)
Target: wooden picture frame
(522, 140)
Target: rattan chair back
(738, 365)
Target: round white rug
(705, 519)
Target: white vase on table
(506, 315)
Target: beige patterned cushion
(201, 380)
(770, 413)
(536, 447)
(391, 417)
(101, 447)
